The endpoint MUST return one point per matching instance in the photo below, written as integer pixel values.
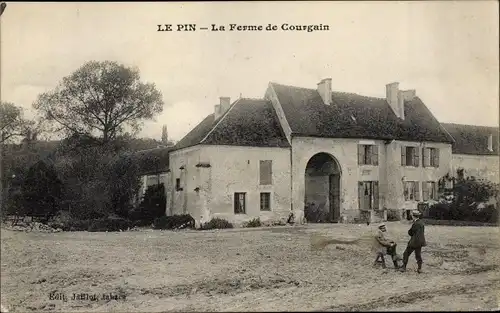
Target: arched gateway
(322, 189)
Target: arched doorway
(322, 189)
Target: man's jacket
(380, 242)
(416, 232)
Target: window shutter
(416, 160)
(374, 155)
(425, 157)
(375, 195)
(405, 191)
(435, 190)
(403, 155)
(436, 157)
(360, 195)
(361, 154)
(266, 172)
(417, 191)
(425, 191)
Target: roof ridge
(220, 120)
(333, 91)
(248, 98)
(357, 94)
(472, 125)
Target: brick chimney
(225, 103)
(220, 109)
(325, 90)
(396, 98)
(217, 112)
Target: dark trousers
(418, 255)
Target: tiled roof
(152, 161)
(472, 139)
(356, 116)
(248, 122)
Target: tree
(99, 100)
(41, 190)
(98, 180)
(12, 123)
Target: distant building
(475, 150)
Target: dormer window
(490, 143)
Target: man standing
(417, 241)
(382, 245)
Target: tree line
(91, 173)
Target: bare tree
(99, 99)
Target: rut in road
(412, 297)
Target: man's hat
(416, 213)
(381, 225)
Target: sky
(447, 51)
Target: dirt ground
(265, 269)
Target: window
(239, 203)
(178, 184)
(368, 196)
(410, 156)
(429, 190)
(265, 201)
(430, 157)
(411, 191)
(266, 172)
(367, 155)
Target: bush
(142, 223)
(216, 223)
(174, 222)
(253, 223)
(440, 211)
(463, 212)
(110, 224)
(393, 215)
(152, 206)
(41, 190)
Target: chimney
(217, 112)
(225, 103)
(325, 90)
(220, 109)
(396, 98)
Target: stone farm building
(326, 156)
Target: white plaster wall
(397, 173)
(480, 166)
(345, 151)
(389, 173)
(184, 201)
(236, 169)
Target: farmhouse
(326, 156)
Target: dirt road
(267, 269)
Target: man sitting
(382, 246)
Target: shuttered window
(266, 172)
(429, 191)
(368, 195)
(411, 191)
(410, 156)
(430, 157)
(367, 155)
